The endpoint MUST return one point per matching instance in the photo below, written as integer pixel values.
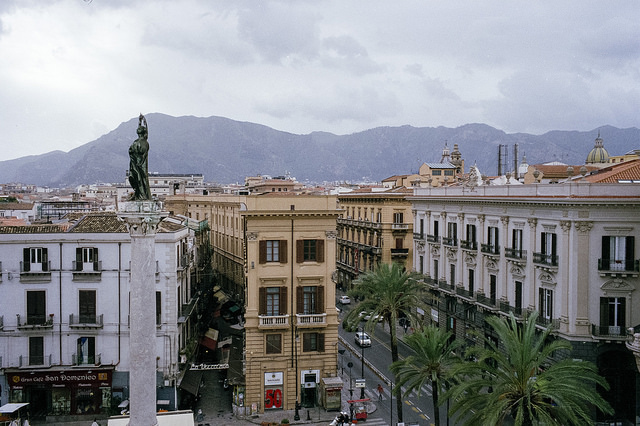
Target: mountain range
(225, 151)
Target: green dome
(598, 154)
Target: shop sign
(60, 378)
(273, 379)
(209, 366)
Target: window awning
(191, 381)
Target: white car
(366, 316)
(345, 300)
(363, 339)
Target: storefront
(62, 392)
(273, 390)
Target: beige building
(374, 227)
(275, 255)
(568, 251)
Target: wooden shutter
(541, 301)
(554, 240)
(630, 253)
(262, 248)
(320, 342)
(283, 300)
(26, 260)
(300, 300)
(543, 242)
(78, 258)
(606, 249)
(283, 251)
(320, 251)
(95, 259)
(45, 260)
(320, 299)
(262, 301)
(604, 312)
(299, 251)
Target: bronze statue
(138, 164)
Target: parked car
(345, 300)
(362, 339)
(366, 316)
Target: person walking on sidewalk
(380, 391)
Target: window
(516, 240)
(612, 315)
(436, 172)
(452, 274)
(422, 264)
(312, 342)
(518, 297)
(274, 343)
(87, 306)
(35, 259)
(36, 307)
(471, 281)
(548, 246)
(493, 240)
(399, 243)
(421, 228)
(36, 350)
(617, 253)
(398, 217)
(471, 233)
(435, 270)
(86, 350)
(448, 172)
(310, 300)
(452, 231)
(158, 307)
(493, 285)
(273, 301)
(273, 251)
(310, 251)
(436, 232)
(546, 303)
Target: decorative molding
(435, 250)
(533, 222)
(565, 225)
(481, 218)
(584, 227)
(461, 216)
(549, 228)
(618, 231)
(452, 254)
(252, 236)
(490, 264)
(493, 222)
(331, 235)
(518, 225)
(617, 285)
(470, 259)
(547, 279)
(504, 220)
(517, 271)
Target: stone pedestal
(142, 219)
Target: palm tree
(516, 378)
(389, 292)
(434, 360)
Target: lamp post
(362, 373)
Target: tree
(389, 292)
(516, 378)
(433, 362)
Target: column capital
(584, 227)
(532, 221)
(142, 217)
(565, 225)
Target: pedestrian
(95, 423)
(380, 391)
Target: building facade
(374, 227)
(64, 315)
(567, 251)
(275, 255)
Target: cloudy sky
(73, 70)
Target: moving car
(345, 300)
(366, 316)
(363, 339)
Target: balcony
(34, 361)
(608, 332)
(435, 239)
(469, 245)
(35, 322)
(488, 302)
(444, 285)
(417, 236)
(450, 241)
(619, 267)
(361, 223)
(490, 249)
(464, 293)
(87, 272)
(186, 310)
(86, 359)
(399, 226)
(311, 320)
(545, 259)
(551, 323)
(399, 252)
(1, 322)
(273, 321)
(35, 272)
(508, 309)
(85, 321)
(517, 254)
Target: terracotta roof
(12, 221)
(32, 229)
(628, 170)
(16, 206)
(560, 171)
(99, 223)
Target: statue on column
(138, 164)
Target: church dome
(598, 154)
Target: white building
(64, 310)
(567, 251)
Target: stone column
(142, 219)
(582, 278)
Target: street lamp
(362, 374)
